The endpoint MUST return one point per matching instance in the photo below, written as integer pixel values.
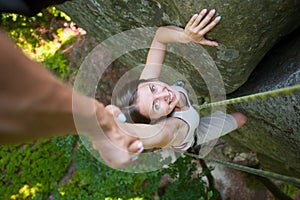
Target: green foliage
(94, 180)
(57, 13)
(32, 170)
(187, 184)
(22, 30)
(39, 40)
(290, 189)
(58, 64)
(27, 31)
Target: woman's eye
(152, 88)
(156, 106)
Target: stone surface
(235, 184)
(273, 128)
(247, 31)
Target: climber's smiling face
(156, 99)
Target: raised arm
(195, 31)
(156, 54)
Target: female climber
(162, 115)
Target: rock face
(273, 129)
(247, 31)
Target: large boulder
(273, 128)
(247, 31)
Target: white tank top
(190, 117)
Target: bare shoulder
(178, 128)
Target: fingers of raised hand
(202, 21)
(200, 24)
(209, 26)
(196, 18)
(199, 18)
(208, 42)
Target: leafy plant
(290, 190)
(187, 184)
(36, 37)
(94, 180)
(32, 170)
(27, 32)
(58, 64)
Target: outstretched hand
(199, 25)
(119, 149)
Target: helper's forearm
(33, 103)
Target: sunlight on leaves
(27, 191)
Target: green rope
(259, 172)
(262, 95)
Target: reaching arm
(168, 132)
(195, 30)
(35, 104)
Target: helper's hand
(118, 149)
(199, 25)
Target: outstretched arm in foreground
(35, 104)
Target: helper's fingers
(113, 110)
(132, 143)
(116, 112)
(136, 147)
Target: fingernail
(219, 18)
(216, 44)
(122, 117)
(140, 147)
(213, 11)
(134, 158)
(195, 15)
(204, 10)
